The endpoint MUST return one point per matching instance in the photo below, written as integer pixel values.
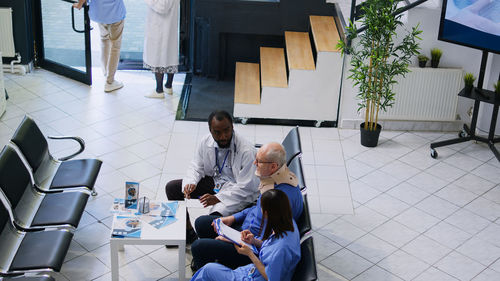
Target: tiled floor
(415, 218)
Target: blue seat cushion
(74, 173)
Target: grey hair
(275, 154)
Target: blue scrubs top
(251, 217)
(279, 256)
(106, 11)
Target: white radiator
(6, 33)
(426, 94)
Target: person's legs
(168, 85)
(215, 272)
(115, 36)
(105, 47)
(204, 228)
(173, 189)
(159, 82)
(207, 250)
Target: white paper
(231, 234)
(193, 203)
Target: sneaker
(170, 91)
(109, 87)
(155, 95)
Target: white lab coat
(233, 196)
(161, 37)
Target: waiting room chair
(292, 145)
(29, 278)
(304, 222)
(296, 167)
(50, 173)
(306, 268)
(30, 209)
(30, 251)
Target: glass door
(63, 39)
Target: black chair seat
(304, 221)
(29, 278)
(306, 268)
(61, 208)
(292, 145)
(296, 167)
(74, 173)
(44, 249)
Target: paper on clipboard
(232, 234)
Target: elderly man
(221, 174)
(273, 173)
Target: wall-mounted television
(472, 23)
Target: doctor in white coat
(222, 174)
(161, 43)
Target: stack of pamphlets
(231, 234)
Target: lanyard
(219, 168)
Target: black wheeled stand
(478, 95)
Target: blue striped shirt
(106, 11)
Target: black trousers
(207, 249)
(173, 189)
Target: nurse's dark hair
(219, 115)
(275, 203)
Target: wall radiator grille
(6, 33)
(426, 94)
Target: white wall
(453, 56)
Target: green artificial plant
(497, 87)
(436, 54)
(376, 60)
(469, 79)
(423, 58)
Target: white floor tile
(346, 263)
(394, 233)
(144, 268)
(426, 249)
(480, 251)
(416, 219)
(434, 274)
(403, 265)
(371, 248)
(447, 235)
(376, 273)
(460, 266)
(86, 267)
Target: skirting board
(393, 125)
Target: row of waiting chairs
(42, 202)
(306, 268)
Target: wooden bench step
(325, 33)
(298, 50)
(272, 67)
(247, 83)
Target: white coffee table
(172, 234)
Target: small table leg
(114, 260)
(182, 261)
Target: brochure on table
(161, 214)
(232, 234)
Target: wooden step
(325, 33)
(247, 83)
(298, 50)
(272, 67)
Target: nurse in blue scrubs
(279, 250)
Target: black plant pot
(434, 63)
(369, 138)
(468, 89)
(422, 63)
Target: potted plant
(469, 82)
(435, 57)
(422, 60)
(376, 60)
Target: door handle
(73, 21)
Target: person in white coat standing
(161, 43)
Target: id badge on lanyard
(218, 171)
